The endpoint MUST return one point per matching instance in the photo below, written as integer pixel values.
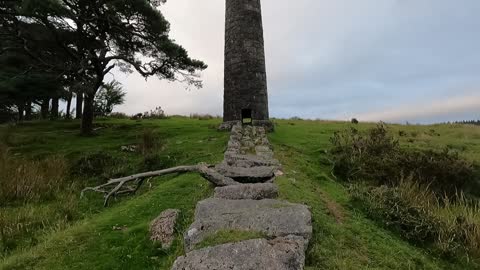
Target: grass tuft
(451, 226)
(30, 181)
(149, 142)
(228, 236)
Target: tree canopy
(109, 95)
(95, 36)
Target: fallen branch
(118, 184)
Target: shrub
(30, 181)
(213, 126)
(119, 115)
(137, 116)
(202, 116)
(94, 164)
(149, 142)
(155, 162)
(376, 156)
(416, 212)
(157, 113)
(7, 114)
(444, 171)
(410, 217)
(22, 226)
(7, 134)
(367, 156)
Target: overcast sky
(391, 60)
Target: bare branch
(205, 171)
(108, 69)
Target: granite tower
(245, 81)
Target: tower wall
(245, 83)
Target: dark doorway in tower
(247, 116)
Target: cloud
(436, 109)
(331, 59)
(199, 27)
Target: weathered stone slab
(232, 144)
(237, 129)
(162, 229)
(257, 254)
(247, 129)
(234, 159)
(265, 155)
(274, 218)
(247, 191)
(235, 137)
(247, 143)
(261, 131)
(228, 125)
(262, 148)
(247, 175)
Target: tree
(25, 78)
(109, 95)
(98, 36)
(67, 97)
(19, 89)
(79, 105)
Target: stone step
(247, 175)
(273, 218)
(248, 161)
(263, 148)
(247, 191)
(257, 254)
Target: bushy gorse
(418, 193)
(377, 156)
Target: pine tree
(97, 36)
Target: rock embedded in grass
(284, 253)
(247, 191)
(247, 161)
(273, 217)
(162, 229)
(247, 175)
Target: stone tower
(245, 85)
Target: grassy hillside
(84, 235)
(344, 238)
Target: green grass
(228, 236)
(88, 240)
(344, 238)
(94, 244)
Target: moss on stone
(228, 236)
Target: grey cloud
(330, 59)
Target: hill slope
(117, 237)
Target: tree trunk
(79, 107)
(87, 118)
(44, 108)
(54, 110)
(21, 109)
(69, 106)
(28, 111)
